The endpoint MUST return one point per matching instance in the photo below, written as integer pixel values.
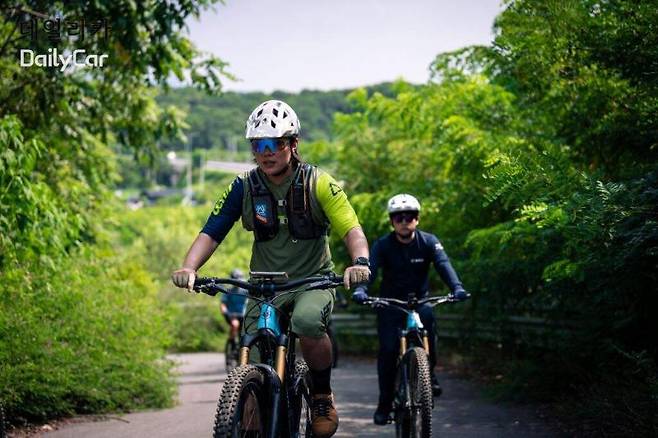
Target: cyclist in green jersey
(290, 206)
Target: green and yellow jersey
(299, 258)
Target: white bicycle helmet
(402, 202)
(272, 119)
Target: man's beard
(406, 235)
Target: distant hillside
(218, 121)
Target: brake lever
(210, 289)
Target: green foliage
(33, 219)
(162, 235)
(80, 328)
(322, 154)
(535, 162)
(218, 121)
(86, 335)
(583, 72)
(353, 343)
(432, 142)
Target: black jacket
(405, 266)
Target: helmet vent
(272, 123)
(257, 124)
(275, 112)
(259, 113)
(285, 114)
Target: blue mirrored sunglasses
(273, 145)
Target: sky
(290, 45)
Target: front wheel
(413, 415)
(242, 405)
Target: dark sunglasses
(404, 216)
(261, 145)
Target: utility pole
(187, 198)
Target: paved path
(460, 412)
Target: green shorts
(309, 312)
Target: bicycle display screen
(261, 277)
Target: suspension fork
(426, 342)
(245, 346)
(280, 357)
(403, 368)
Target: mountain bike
(413, 402)
(231, 349)
(270, 398)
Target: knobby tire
(242, 406)
(416, 420)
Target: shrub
(85, 336)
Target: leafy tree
(80, 329)
(78, 116)
(535, 161)
(584, 72)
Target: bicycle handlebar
(265, 288)
(405, 305)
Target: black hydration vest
(297, 204)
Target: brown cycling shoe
(324, 418)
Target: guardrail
(359, 330)
(512, 330)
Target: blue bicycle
(270, 398)
(413, 403)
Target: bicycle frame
(414, 326)
(269, 330)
